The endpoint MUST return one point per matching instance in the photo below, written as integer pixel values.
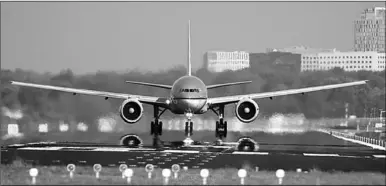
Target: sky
(149, 36)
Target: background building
(300, 50)
(348, 61)
(369, 30)
(220, 61)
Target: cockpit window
(189, 90)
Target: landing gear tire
(152, 126)
(225, 129)
(188, 129)
(191, 129)
(217, 126)
(160, 128)
(156, 128)
(156, 131)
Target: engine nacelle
(131, 111)
(247, 110)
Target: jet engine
(131, 111)
(247, 110)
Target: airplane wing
(236, 98)
(151, 84)
(227, 84)
(144, 99)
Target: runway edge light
(128, 173)
(166, 174)
(175, 169)
(242, 173)
(204, 174)
(280, 175)
(97, 168)
(71, 169)
(122, 168)
(33, 172)
(149, 168)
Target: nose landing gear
(188, 130)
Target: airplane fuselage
(188, 95)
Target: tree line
(46, 105)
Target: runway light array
(166, 173)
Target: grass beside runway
(17, 174)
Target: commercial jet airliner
(188, 96)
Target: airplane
(188, 96)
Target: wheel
(186, 129)
(152, 128)
(191, 128)
(217, 125)
(225, 129)
(160, 128)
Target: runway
(269, 156)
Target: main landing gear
(221, 125)
(156, 127)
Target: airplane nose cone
(246, 110)
(131, 110)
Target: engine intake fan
(131, 111)
(247, 110)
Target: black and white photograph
(192, 93)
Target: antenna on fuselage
(189, 55)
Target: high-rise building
(369, 30)
(221, 61)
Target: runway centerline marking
(258, 153)
(181, 151)
(111, 149)
(311, 154)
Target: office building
(217, 61)
(369, 30)
(300, 50)
(348, 61)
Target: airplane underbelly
(181, 106)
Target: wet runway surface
(268, 157)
